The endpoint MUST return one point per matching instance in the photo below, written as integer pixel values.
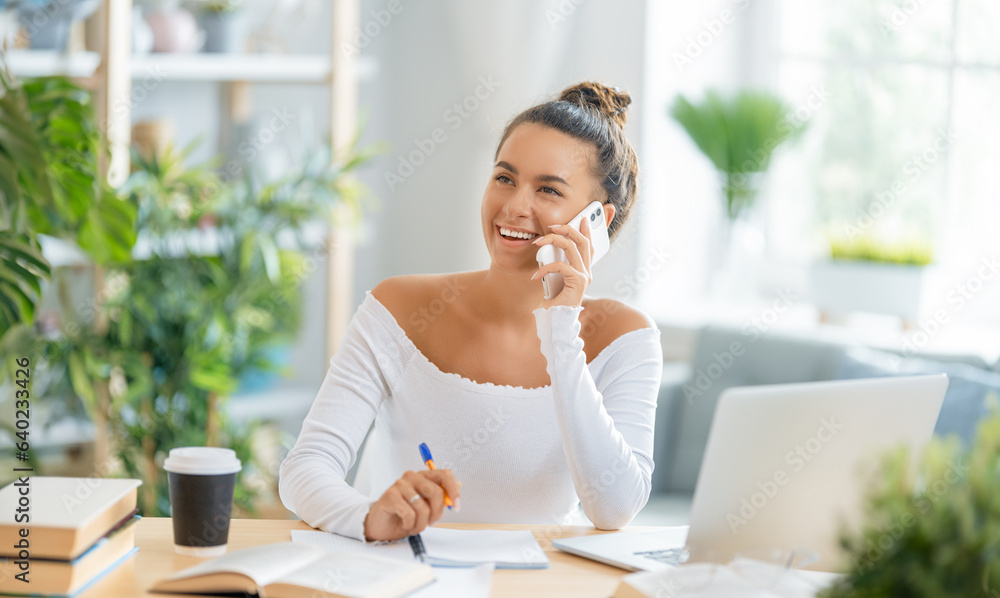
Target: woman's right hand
(398, 514)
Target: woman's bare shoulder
(394, 292)
(604, 320)
(403, 294)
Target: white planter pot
(841, 287)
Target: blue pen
(425, 454)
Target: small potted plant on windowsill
(739, 134)
(869, 275)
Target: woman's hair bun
(608, 100)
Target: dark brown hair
(593, 113)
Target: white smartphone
(594, 215)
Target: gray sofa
(725, 357)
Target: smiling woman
(536, 409)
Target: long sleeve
(607, 433)
(312, 477)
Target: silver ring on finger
(415, 498)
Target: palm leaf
(22, 268)
(738, 135)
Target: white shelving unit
(112, 70)
(282, 68)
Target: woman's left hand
(576, 274)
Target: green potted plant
(180, 327)
(938, 538)
(186, 321)
(738, 134)
(867, 273)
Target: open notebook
(445, 547)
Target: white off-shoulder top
(523, 455)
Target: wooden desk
(567, 575)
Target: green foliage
(868, 249)
(186, 324)
(183, 325)
(82, 207)
(23, 169)
(49, 184)
(943, 539)
(23, 176)
(738, 134)
(22, 269)
(200, 322)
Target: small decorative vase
(174, 30)
(48, 22)
(221, 35)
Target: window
(906, 144)
(902, 104)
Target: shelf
(263, 68)
(276, 68)
(43, 63)
(208, 241)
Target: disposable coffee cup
(201, 481)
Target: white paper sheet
(452, 582)
(333, 543)
(505, 548)
(501, 546)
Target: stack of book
(60, 535)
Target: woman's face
(541, 177)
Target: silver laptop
(785, 467)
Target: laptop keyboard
(668, 556)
